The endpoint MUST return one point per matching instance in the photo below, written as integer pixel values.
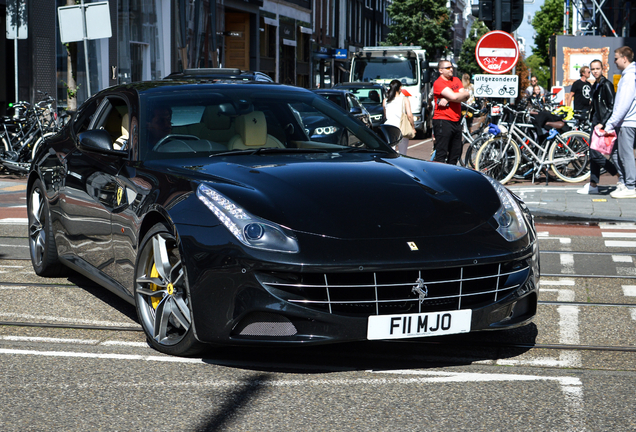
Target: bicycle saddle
(554, 125)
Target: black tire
(42, 246)
(161, 295)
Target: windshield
(368, 96)
(384, 69)
(205, 122)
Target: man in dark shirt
(581, 91)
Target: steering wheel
(170, 137)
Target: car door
(90, 194)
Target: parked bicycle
(567, 154)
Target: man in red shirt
(449, 93)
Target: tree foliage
(547, 21)
(425, 23)
(539, 69)
(467, 62)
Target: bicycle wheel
(471, 151)
(498, 158)
(570, 156)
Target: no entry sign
(497, 52)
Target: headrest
(253, 128)
(213, 118)
(125, 122)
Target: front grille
(396, 292)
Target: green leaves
(424, 23)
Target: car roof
(332, 91)
(221, 74)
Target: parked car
(317, 123)
(371, 96)
(220, 74)
(209, 208)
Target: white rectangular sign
(17, 19)
(497, 52)
(496, 86)
(72, 22)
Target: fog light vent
(266, 324)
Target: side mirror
(391, 134)
(355, 110)
(426, 73)
(99, 141)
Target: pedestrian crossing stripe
(599, 200)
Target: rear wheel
(570, 156)
(498, 158)
(161, 295)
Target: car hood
(355, 196)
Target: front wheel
(41, 241)
(161, 295)
(570, 156)
(498, 158)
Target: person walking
(394, 105)
(581, 91)
(602, 106)
(449, 93)
(623, 121)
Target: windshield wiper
(360, 150)
(262, 150)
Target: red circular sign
(497, 52)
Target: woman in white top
(394, 104)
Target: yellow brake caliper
(155, 299)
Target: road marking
(616, 226)
(618, 235)
(562, 240)
(14, 188)
(102, 356)
(561, 282)
(633, 312)
(626, 271)
(629, 290)
(618, 243)
(12, 287)
(124, 343)
(622, 258)
(567, 261)
(48, 340)
(420, 143)
(12, 246)
(14, 221)
(67, 320)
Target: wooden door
(237, 46)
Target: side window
(114, 118)
(84, 116)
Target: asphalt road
(74, 358)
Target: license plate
(418, 325)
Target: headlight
(416, 118)
(250, 230)
(509, 217)
(326, 130)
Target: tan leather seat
(122, 141)
(252, 133)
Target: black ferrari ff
(210, 208)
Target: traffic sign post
(497, 52)
(17, 28)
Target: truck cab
(407, 64)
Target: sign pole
(88, 78)
(15, 58)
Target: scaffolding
(589, 13)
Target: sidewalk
(562, 203)
(559, 201)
